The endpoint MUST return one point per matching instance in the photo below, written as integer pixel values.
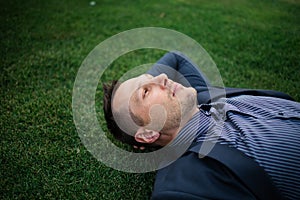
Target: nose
(162, 80)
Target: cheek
(172, 106)
(158, 117)
(163, 97)
(167, 102)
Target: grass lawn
(255, 44)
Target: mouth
(175, 88)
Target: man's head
(151, 109)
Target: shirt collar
(197, 125)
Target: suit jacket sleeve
(181, 69)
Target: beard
(180, 111)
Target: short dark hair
(112, 126)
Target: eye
(145, 92)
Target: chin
(191, 97)
(193, 92)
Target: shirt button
(281, 113)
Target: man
(261, 125)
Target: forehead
(124, 92)
(120, 103)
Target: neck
(168, 135)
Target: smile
(175, 88)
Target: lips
(175, 88)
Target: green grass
(255, 44)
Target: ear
(146, 136)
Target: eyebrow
(136, 92)
(135, 100)
(135, 96)
(148, 76)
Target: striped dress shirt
(266, 129)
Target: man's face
(155, 100)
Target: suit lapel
(248, 171)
